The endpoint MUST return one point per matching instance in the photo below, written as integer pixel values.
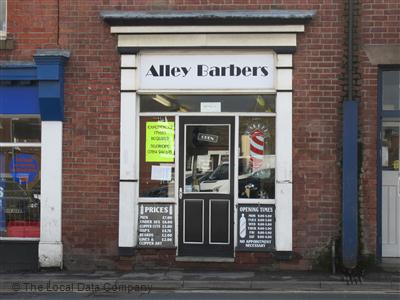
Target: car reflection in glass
(258, 185)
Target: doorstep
(205, 259)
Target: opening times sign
(160, 141)
(256, 227)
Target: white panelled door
(390, 189)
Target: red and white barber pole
(257, 141)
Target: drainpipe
(350, 162)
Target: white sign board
(208, 71)
(210, 106)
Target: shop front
(31, 114)
(206, 135)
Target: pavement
(146, 281)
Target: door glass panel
(194, 226)
(207, 159)
(257, 157)
(219, 218)
(390, 146)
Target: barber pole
(257, 141)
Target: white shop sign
(212, 71)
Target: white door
(390, 190)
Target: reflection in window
(257, 157)
(3, 19)
(20, 192)
(157, 157)
(20, 130)
(390, 147)
(391, 90)
(207, 103)
(207, 158)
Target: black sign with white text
(156, 225)
(256, 230)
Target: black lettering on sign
(208, 71)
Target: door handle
(180, 193)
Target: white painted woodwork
(283, 186)
(284, 60)
(207, 40)
(127, 214)
(128, 79)
(128, 136)
(284, 79)
(128, 61)
(50, 245)
(390, 214)
(208, 29)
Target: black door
(206, 157)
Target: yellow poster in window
(160, 141)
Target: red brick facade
(92, 116)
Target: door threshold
(204, 259)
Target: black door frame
(206, 249)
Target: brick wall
(91, 127)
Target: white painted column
(283, 214)
(127, 231)
(50, 245)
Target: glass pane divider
(20, 144)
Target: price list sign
(156, 225)
(256, 230)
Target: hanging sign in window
(24, 168)
(160, 141)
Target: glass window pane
(157, 157)
(391, 90)
(19, 192)
(207, 103)
(207, 149)
(3, 18)
(20, 130)
(390, 146)
(257, 157)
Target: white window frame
(3, 33)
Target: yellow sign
(160, 141)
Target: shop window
(157, 157)
(391, 90)
(390, 119)
(3, 19)
(207, 103)
(20, 157)
(256, 178)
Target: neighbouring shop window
(3, 19)
(390, 146)
(20, 177)
(257, 157)
(20, 130)
(157, 157)
(391, 90)
(207, 103)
